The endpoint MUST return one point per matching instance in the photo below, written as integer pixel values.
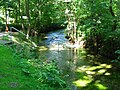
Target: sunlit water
(81, 70)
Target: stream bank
(81, 69)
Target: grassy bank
(17, 72)
(11, 75)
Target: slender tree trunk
(19, 11)
(20, 14)
(114, 27)
(6, 19)
(16, 14)
(28, 16)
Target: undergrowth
(45, 72)
(11, 75)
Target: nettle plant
(117, 60)
(118, 55)
(46, 72)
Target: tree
(28, 17)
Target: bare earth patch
(13, 84)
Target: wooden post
(7, 28)
(6, 20)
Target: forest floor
(11, 75)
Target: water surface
(81, 70)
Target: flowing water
(81, 70)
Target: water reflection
(81, 70)
(55, 49)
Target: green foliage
(117, 60)
(2, 27)
(117, 52)
(44, 18)
(99, 22)
(45, 72)
(11, 76)
(5, 38)
(19, 27)
(40, 17)
(111, 40)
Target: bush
(45, 72)
(104, 42)
(2, 27)
(17, 26)
(111, 44)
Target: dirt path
(4, 38)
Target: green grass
(11, 75)
(20, 74)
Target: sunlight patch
(107, 74)
(56, 47)
(81, 83)
(108, 66)
(101, 71)
(103, 65)
(100, 86)
(42, 48)
(83, 68)
(15, 40)
(83, 52)
(90, 72)
(94, 67)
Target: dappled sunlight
(100, 86)
(46, 37)
(92, 75)
(60, 44)
(42, 48)
(83, 52)
(90, 56)
(106, 66)
(101, 71)
(90, 72)
(107, 74)
(94, 67)
(82, 83)
(69, 45)
(56, 47)
(11, 36)
(15, 40)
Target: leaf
(117, 51)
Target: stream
(81, 70)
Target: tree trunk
(16, 15)
(6, 19)
(19, 11)
(28, 16)
(114, 26)
(20, 15)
